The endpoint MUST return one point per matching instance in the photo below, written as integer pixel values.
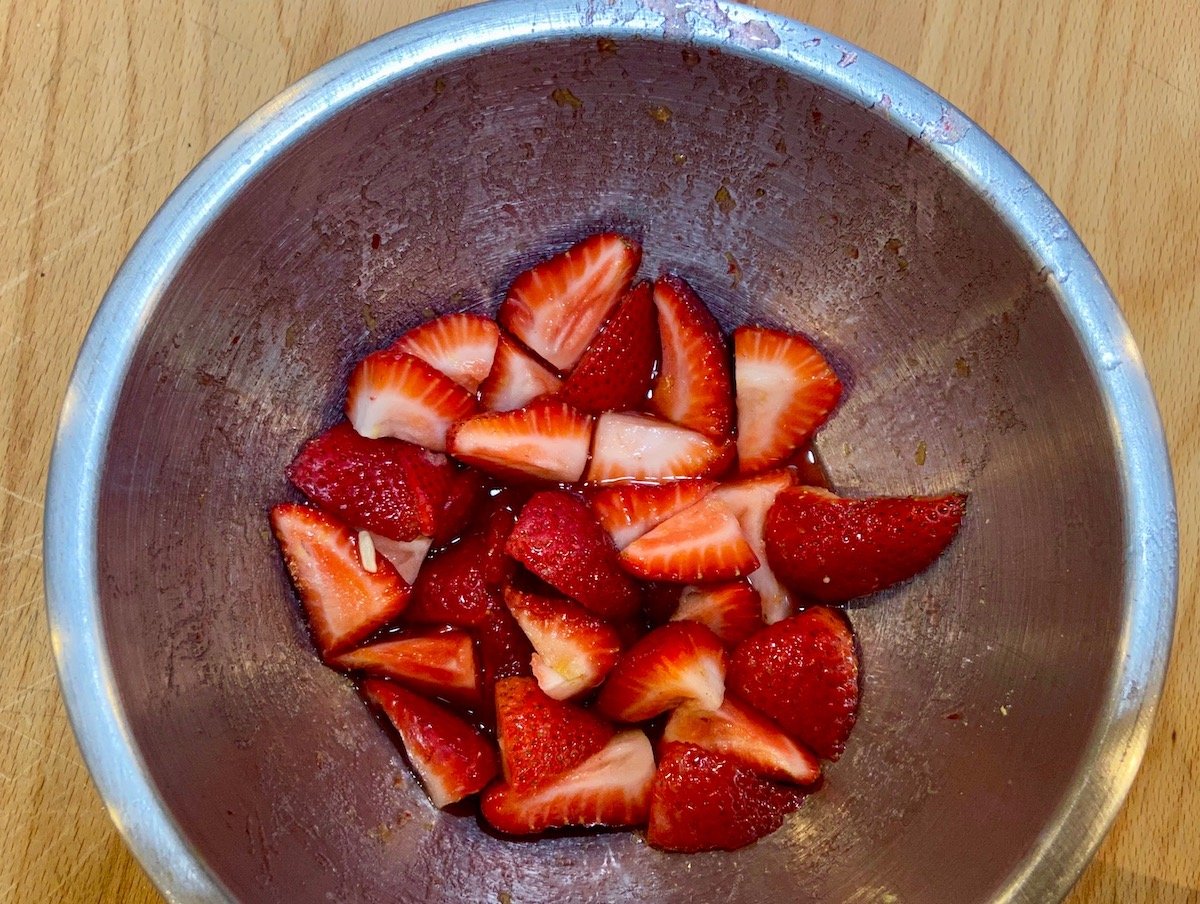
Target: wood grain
(108, 104)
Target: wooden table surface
(108, 103)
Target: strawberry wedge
(785, 391)
(833, 549)
(632, 446)
(544, 441)
(440, 665)
(629, 510)
(678, 662)
(461, 346)
(738, 732)
(702, 543)
(731, 610)
(452, 759)
(556, 307)
(694, 387)
(615, 372)
(344, 602)
(394, 394)
(573, 649)
(515, 379)
(611, 788)
(541, 738)
(750, 499)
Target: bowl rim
(1065, 846)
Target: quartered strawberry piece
(833, 549)
(803, 673)
(703, 801)
(736, 731)
(694, 386)
(344, 602)
(541, 738)
(547, 440)
(785, 391)
(750, 499)
(612, 788)
(406, 556)
(387, 486)
(452, 758)
(461, 346)
(394, 394)
(516, 379)
(640, 447)
(732, 610)
(678, 662)
(461, 584)
(628, 510)
(559, 539)
(702, 543)
(573, 649)
(615, 372)
(556, 307)
(438, 665)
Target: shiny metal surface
(797, 181)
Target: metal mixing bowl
(796, 181)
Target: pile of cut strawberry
(571, 556)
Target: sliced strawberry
(628, 510)
(639, 447)
(463, 495)
(516, 379)
(439, 665)
(702, 543)
(394, 394)
(559, 539)
(573, 649)
(452, 759)
(556, 307)
(406, 556)
(678, 662)
(694, 386)
(461, 346)
(541, 738)
(732, 611)
(738, 732)
(461, 584)
(703, 801)
(387, 486)
(344, 602)
(785, 391)
(803, 673)
(546, 440)
(612, 788)
(750, 499)
(834, 549)
(615, 371)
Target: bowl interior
(783, 204)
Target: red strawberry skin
(344, 602)
(833, 549)
(462, 497)
(695, 385)
(556, 307)
(803, 673)
(541, 738)
(615, 372)
(452, 758)
(558, 538)
(461, 585)
(386, 486)
(703, 801)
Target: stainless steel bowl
(795, 180)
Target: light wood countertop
(108, 104)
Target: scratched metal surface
(985, 681)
